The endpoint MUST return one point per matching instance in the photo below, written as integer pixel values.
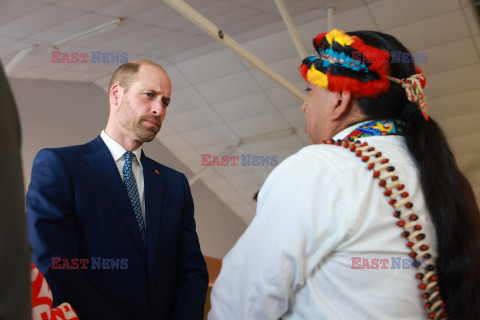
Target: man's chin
(149, 133)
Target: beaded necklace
(398, 198)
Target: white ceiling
(218, 98)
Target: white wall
(55, 114)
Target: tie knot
(129, 157)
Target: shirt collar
(117, 150)
(342, 134)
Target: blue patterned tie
(131, 185)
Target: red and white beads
(399, 199)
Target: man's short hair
(126, 74)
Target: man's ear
(343, 105)
(115, 94)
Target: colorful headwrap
(346, 63)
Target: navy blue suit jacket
(78, 207)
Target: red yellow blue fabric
(377, 128)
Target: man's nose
(303, 107)
(158, 108)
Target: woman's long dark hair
(449, 196)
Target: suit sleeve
(52, 233)
(192, 274)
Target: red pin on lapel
(157, 172)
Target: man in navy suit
(113, 231)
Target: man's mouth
(152, 122)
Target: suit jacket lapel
(100, 160)
(153, 181)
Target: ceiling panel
(154, 15)
(124, 8)
(218, 8)
(390, 14)
(244, 107)
(175, 144)
(177, 22)
(39, 20)
(229, 87)
(264, 25)
(195, 119)
(261, 79)
(468, 162)
(190, 158)
(14, 9)
(453, 81)
(452, 55)
(63, 75)
(462, 124)
(246, 212)
(177, 78)
(354, 19)
(235, 17)
(196, 4)
(185, 44)
(433, 31)
(454, 104)
(18, 71)
(166, 39)
(233, 198)
(275, 145)
(69, 28)
(5, 41)
(185, 99)
(103, 82)
(211, 136)
(132, 38)
(208, 47)
(276, 47)
(211, 66)
(167, 130)
(85, 5)
(9, 50)
(87, 77)
(294, 117)
(282, 99)
(465, 144)
(244, 181)
(222, 186)
(260, 124)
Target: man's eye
(308, 90)
(148, 94)
(165, 103)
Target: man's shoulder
(69, 153)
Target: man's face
(142, 108)
(317, 113)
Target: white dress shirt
(118, 154)
(318, 210)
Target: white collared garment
(319, 212)
(118, 154)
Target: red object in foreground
(42, 300)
